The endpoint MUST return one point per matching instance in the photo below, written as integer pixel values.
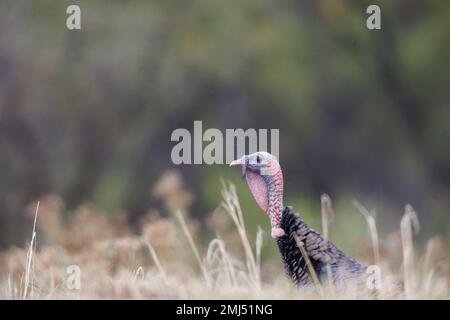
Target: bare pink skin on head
(267, 189)
(258, 188)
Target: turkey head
(265, 180)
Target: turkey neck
(275, 197)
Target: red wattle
(277, 232)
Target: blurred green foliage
(362, 114)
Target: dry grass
(29, 261)
(170, 260)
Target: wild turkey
(265, 180)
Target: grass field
(168, 259)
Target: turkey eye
(258, 159)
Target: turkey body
(326, 260)
(305, 253)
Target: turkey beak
(240, 162)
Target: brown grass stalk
(233, 208)
(312, 272)
(194, 248)
(157, 263)
(373, 232)
(407, 223)
(327, 214)
(29, 261)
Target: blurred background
(86, 116)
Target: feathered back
(325, 258)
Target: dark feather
(321, 252)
